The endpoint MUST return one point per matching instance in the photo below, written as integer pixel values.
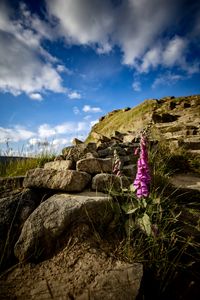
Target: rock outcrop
(55, 216)
(63, 180)
(176, 120)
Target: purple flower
(142, 180)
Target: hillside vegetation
(168, 118)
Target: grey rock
(95, 165)
(110, 151)
(122, 282)
(91, 155)
(59, 165)
(79, 151)
(99, 137)
(76, 142)
(11, 183)
(129, 171)
(55, 216)
(64, 180)
(129, 138)
(109, 182)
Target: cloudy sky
(65, 63)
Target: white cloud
(152, 58)
(174, 52)
(36, 96)
(88, 108)
(15, 134)
(60, 142)
(74, 95)
(25, 65)
(45, 131)
(134, 26)
(167, 79)
(83, 23)
(34, 141)
(136, 86)
(45, 138)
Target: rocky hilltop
(176, 120)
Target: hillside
(169, 118)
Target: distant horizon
(64, 63)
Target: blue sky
(65, 63)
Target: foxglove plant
(142, 180)
(117, 166)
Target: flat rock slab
(59, 165)
(189, 181)
(109, 182)
(54, 216)
(95, 165)
(64, 180)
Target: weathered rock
(108, 182)
(190, 143)
(11, 183)
(129, 138)
(95, 165)
(163, 118)
(110, 151)
(55, 216)
(126, 109)
(122, 282)
(59, 157)
(78, 152)
(129, 171)
(14, 210)
(119, 135)
(64, 180)
(59, 165)
(187, 181)
(76, 142)
(91, 155)
(99, 137)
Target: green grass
(19, 167)
(133, 119)
(161, 243)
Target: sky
(66, 63)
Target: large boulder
(55, 216)
(109, 182)
(14, 210)
(79, 151)
(59, 165)
(64, 180)
(95, 165)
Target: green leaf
(145, 224)
(132, 188)
(132, 211)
